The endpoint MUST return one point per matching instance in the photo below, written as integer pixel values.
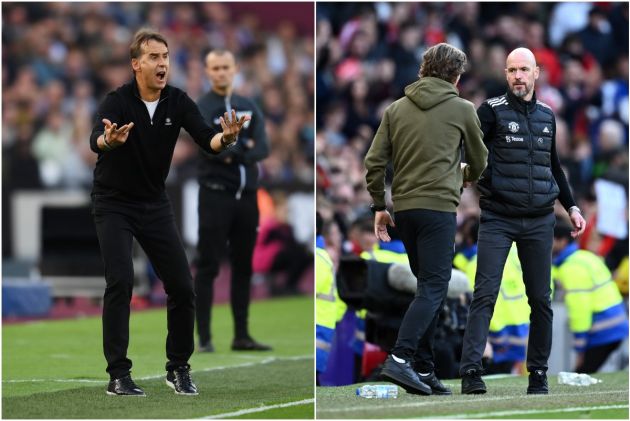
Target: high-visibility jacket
(326, 301)
(382, 255)
(596, 312)
(463, 258)
(394, 253)
(509, 326)
(621, 276)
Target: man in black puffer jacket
(518, 190)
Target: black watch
(375, 208)
(227, 145)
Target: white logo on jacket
(168, 122)
(546, 130)
(509, 139)
(513, 126)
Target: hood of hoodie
(427, 92)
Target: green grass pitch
(56, 369)
(506, 398)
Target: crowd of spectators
(368, 52)
(60, 59)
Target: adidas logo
(169, 123)
(546, 130)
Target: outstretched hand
(116, 136)
(232, 126)
(381, 220)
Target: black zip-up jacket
(523, 176)
(234, 170)
(138, 169)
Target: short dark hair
(562, 230)
(141, 37)
(444, 62)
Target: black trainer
(124, 386)
(249, 344)
(538, 383)
(180, 381)
(206, 347)
(403, 375)
(472, 384)
(435, 384)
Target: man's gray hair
(443, 61)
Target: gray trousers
(534, 241)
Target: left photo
(158, 210)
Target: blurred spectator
(597, 315)
(278, 252)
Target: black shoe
(180, 381)
(403, 375)
(248, 344)
(124, 386)
(435, 384)
(205, 348)
(538, 383)
(472, 383)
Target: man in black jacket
(134, 135)
(518, 190)
(228, 206)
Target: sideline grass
(506, 398)
(65, 360)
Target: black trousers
(429, 238)
(152, 223)
(596, 356)
(534, 240)
(225, 222)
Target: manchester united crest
(513, 126)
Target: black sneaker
(403, 375)
(472, 383)
(538, 383)
(179, 380)
(248, 344)
(205, 348)
(435, 384)
(124, 386)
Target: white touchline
(259, 409)
(54, 381)
(472, 400)
(157, 376)
(530, 411)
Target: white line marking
(471, 400)
(530, 411)
(259, 409)
(158, 376)
(54, 381)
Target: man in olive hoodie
(422, 134)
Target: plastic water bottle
(379, 391)
(576, 379)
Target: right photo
(472, 210)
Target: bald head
(220, 69)
(522, 55)
(521, 73)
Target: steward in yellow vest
(597, 315)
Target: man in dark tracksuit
(135, 132)
(518, 190)
(228, 206)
